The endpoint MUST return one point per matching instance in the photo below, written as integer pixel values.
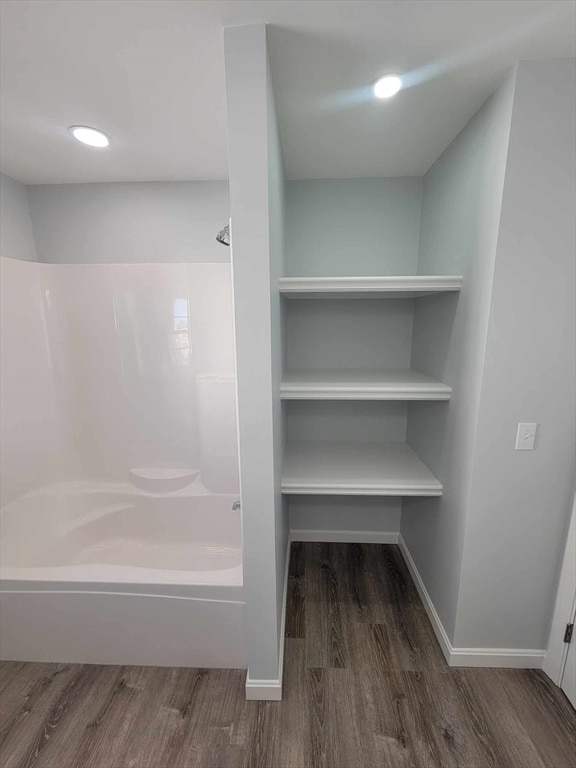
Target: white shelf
(356, 469)
(408, 287)
(358, 384)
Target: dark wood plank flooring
(365, 684)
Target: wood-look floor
(365, 684)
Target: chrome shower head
(224, 235)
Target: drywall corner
(459, 229)
(257, 213)
(16, 235)
(520, 500)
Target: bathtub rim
(104, 573)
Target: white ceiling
(151, 74)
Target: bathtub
(107, 573)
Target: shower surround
(120, 468)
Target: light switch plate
(525, 436)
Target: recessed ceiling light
(387, 86)
(90, 136)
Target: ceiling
(151, 74)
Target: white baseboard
(350, 537)
(271, 690)
(511, 658)
(503, 658)
(437, 626)
(263, 690)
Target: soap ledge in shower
(163, 480)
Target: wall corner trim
(271, 690)
(511, 658)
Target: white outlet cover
(526, 436)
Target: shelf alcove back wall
(349, 227)
(349, 420)
(353, 227)
(353, 514)
(349, 333)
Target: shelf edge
(318, 393)
(380, 284)
(329, 490)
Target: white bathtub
(108, 574)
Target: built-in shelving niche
(363, 325)
(354, 282)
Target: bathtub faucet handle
(236, 505)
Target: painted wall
(350, 227)
(256, 184)
(277, 233)
(353, 226)
(460, 216)
(16, 238)
(347, 334)
(519, 500)
(350, 514)
(130, 222)
(332, 334)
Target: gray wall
(459, 229)
(351, 514)
(256, 184)
(520, 501)
(353, 226)
(345, 420)
(350, 227)
(277, 230)
(332, 334)
(130, 222)
(16, 238)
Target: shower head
(224, 235)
